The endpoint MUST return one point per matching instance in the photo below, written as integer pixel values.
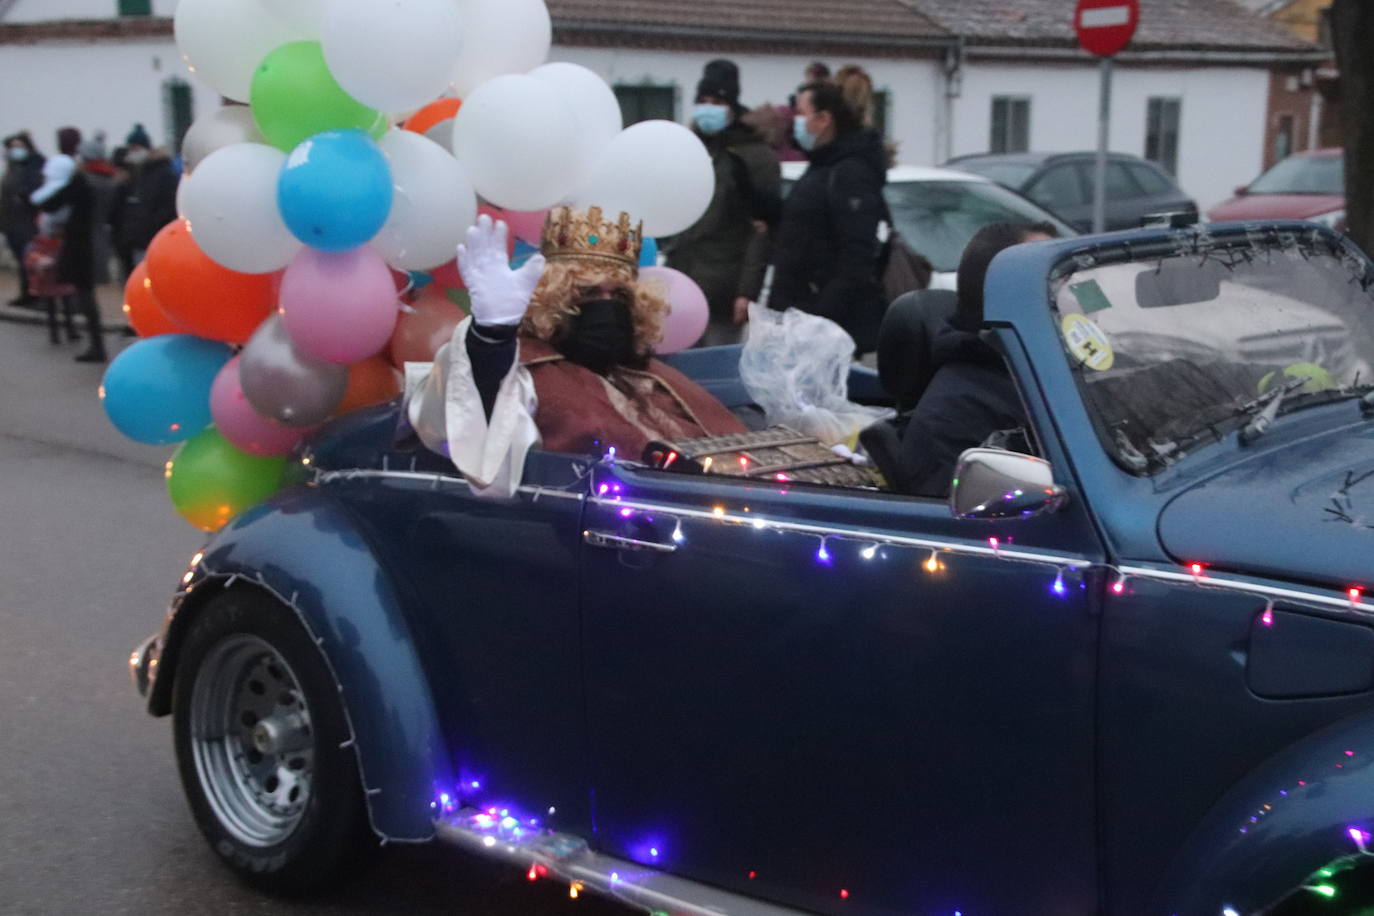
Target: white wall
(1221, 137)
(47, 10)
(108, 86)
(911, 84)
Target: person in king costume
(557, 354)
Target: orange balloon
(141, 310)
(432, 114)
(371, 381)
(420, 334)
(202, 297)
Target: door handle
(617, 542)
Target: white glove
(499, 295)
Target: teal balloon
(158, 390)
(648, 255)
(335, 190)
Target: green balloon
(211, 481)
(294, 96)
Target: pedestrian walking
(726, 250)
(18, 216)
(76, 263)
(827, 250)
(147, 200)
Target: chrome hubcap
(251, 740)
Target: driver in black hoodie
(826, 251)
(971, 395)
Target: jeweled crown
(586, 235)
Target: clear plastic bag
(796, 367)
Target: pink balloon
(238, 422)
(687, 321)
(528, 226)
(340, 307)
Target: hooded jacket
(970, 397)
(722, 251)
(146, 201)
(826, 250)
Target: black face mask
(601, 335)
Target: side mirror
(991, 483)
(1242, 190)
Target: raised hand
(499, 295)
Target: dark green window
(177, 109)
(881, 102)
(646, 103)
(1010, 124)
(135, 7)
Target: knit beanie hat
(93, 148)
(138, 137)
(720, 78)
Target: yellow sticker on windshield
(1087, 342)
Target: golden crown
(585, 235)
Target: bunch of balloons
(313, 254)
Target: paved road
(91, 814)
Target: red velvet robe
(584, 413)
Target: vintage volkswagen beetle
(1132, 674)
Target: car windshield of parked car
(1172, 353)
(1303, 175)
(1011, 174)
(937, 218)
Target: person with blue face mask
(23, 175)
(827, 249)
(726, 251)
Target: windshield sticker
(1090, 296)
(1087, 342)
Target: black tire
(257, 723)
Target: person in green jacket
(727, 251)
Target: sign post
(1104, 27)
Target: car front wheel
(262, 746)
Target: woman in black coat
(23, 175)
(76, 264)
(826, 251)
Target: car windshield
(1173, 352)
(937, 218)
(1011, 174)
(1303, 175)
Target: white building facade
(78, 62)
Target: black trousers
(18, 241)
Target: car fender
(304, 548)
(1305, 808)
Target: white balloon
(223, 41)
(231, 206)
(219, 128)
(431, 207)
(592, 103)
(395, 55)
(656, 171)
(442, 134)
(304, 16)
(512, 136)
(499, 37)
(182, 185)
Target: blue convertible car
(1131, 673)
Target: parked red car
(1308, 185)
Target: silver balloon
(285, 386)
(224, 126)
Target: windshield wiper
(1263, 409)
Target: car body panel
(304, 547)
(1276, 206)
(1063, 183)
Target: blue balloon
(335, 190)
(158, 390)
(522, 253)
(648, 255)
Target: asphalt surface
(92, 819)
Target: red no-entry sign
(1104, 27)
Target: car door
(1126, 202)
(493, 584)
(840, 700)
(1062, 190)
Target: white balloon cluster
(528, 134)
